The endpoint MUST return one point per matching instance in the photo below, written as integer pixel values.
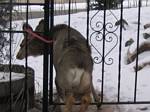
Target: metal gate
(103, 34)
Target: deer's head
(31, 46)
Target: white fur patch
(77, 75)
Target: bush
(4, 21)
(99, 4)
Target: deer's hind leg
(70, 100)
(85, 101)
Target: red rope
(29, 31)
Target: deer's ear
(26, 26)
(41, 21)
(40, 26)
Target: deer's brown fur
(72, 61)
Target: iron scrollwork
(96, 37)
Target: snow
(127, 85)
(5, 76)
(64, 6)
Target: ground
(92, 108)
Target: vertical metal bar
(26, 62)
(88, 10)
(71, 6)
(120, 48)
(103, 55)
(69, 20)
(137, 58)
(51, 54)
(69, 12)
(45, 57)
(10, 61)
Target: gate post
(45, 58)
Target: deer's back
(72, 61)
(72, 51)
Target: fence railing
(97, 27)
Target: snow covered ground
(78, 21)
(56, 7)
(126, 3)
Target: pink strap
(38, 37)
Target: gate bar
(112, 103)
(51, 54)
(26, 64)
(69, 19)
(103, 52)
(88, 10)
(10, 59)
(137, 58)
(120, 49)
(45, 58)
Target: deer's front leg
(85, 101)
(70, 100)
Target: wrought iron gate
(103, 34)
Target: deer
(72, 61)
(145, 46)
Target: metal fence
(97, 27)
